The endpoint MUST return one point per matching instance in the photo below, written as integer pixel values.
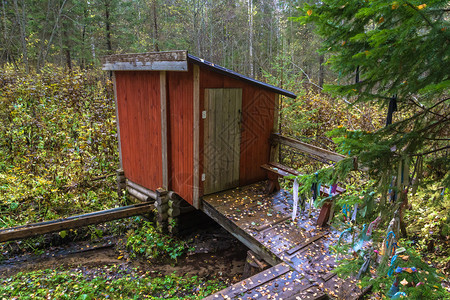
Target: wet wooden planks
(277, 282)
(265, 220)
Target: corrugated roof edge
(230, 73)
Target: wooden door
(222, 137)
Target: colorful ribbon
(408, 270)
(387, 238)
(394, 289)
(295, 192)
(373, 225)
(399, 295)
(392, 267)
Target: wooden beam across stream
(103, 216)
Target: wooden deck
(298, 251)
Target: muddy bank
(214, 254)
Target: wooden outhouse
(190, 126)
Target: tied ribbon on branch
(296, 197)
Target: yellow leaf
(120, 257)
(422, 6)
(309, 12)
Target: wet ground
(214, 254)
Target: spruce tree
(394, 54)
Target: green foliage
(57, 132)
(429, 224)
(399, 48)
(148, 242)
(431, 287)
(73, 284)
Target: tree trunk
(357, 75)
(5, 35)
(155, 25)
(83, 39)
(55, 27)
(250, 37)
(321, 71)
(67, 50)
(21, 21)
(108, 26)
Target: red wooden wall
(180, 94)
(139, 110)
(257, 123)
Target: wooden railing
(97, 217)
(307, 148)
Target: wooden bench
(275, 171)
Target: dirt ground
(215, 254)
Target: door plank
(218, 95)
(207, 145)
(222, 139)
(237, 138)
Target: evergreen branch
(435, 139)
(422, 15)
(433, 125)
(421, 106)
(420, 114)
(438, 103)
(432, 151)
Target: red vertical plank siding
(258, 107)
(258, 116)
(139, 110)
(180, 95)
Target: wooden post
(274, 147)
(253, 265)
(121, 182)
(117, 119)
(162, 206)
(324, 214)
(163, 94)
(173, 212)
(196, 183)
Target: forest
(372, 82)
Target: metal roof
(176, 60)
(232, 74)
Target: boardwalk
(298, 251)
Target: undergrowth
(58, 144)
(73, 284)
(146, 241)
